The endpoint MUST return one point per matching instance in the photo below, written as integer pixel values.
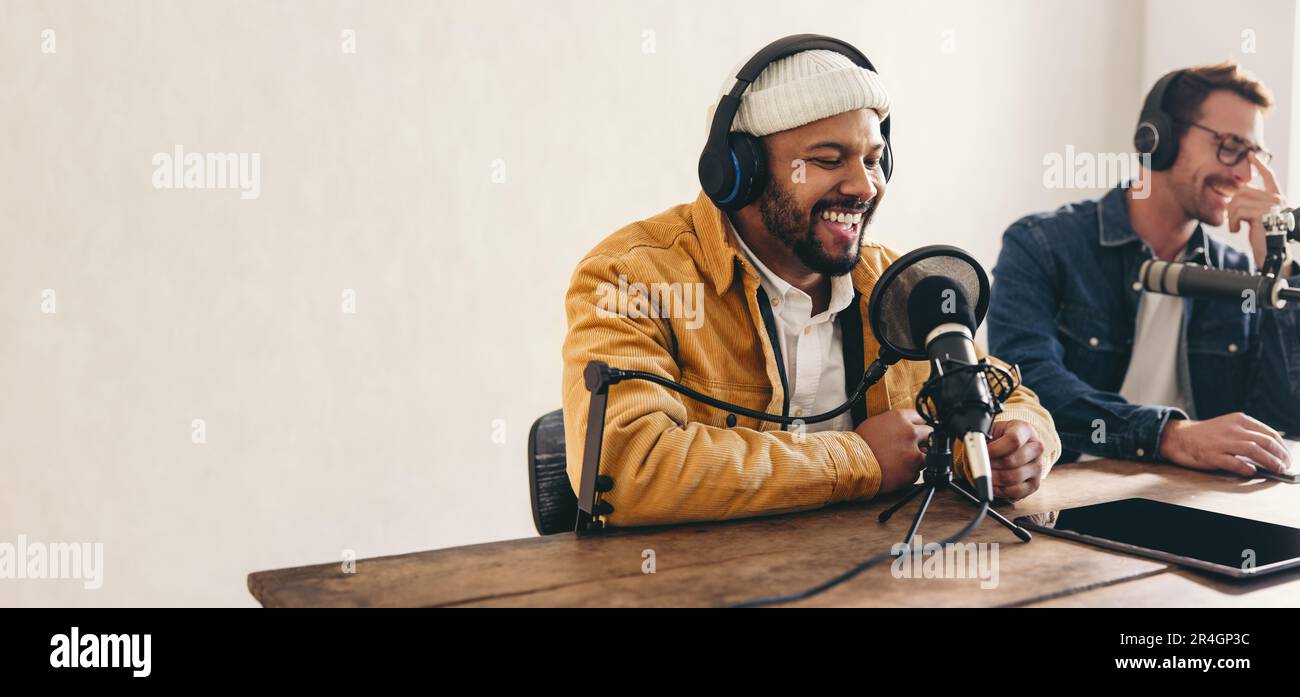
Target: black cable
(869, 377)
(961, 534)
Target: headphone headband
(731, 173)
(1155, 102)
(790, 45)
(729, 105)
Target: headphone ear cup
(750, 162)
(717, 175)
(1155, 137)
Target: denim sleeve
(1274, 396)
(1022, 330)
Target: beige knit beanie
(806, 87)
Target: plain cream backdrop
(373, 431)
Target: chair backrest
(555, 507)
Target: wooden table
(723, 563)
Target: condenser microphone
(1196, 281)
(921, 308)
(942, 320)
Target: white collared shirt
(811, 346)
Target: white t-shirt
(1152, 378)
(811, 346)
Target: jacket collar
(1115, 230)
(1113, 227)
(720, 256)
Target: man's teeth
(842, 218)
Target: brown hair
(1187, 92)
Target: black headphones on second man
(733, 167)
(1156, 135)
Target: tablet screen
(1189, 533)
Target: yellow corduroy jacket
(676, 460)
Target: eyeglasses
(1232, 150)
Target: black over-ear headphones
(733, 167)
(1156, 135)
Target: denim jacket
(1064, 308)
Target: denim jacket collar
(1115, 230)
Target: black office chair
(555, 507)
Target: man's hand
(1016, 455)
(1220, 443)
(1251, 205)
(894, 437)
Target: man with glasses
(1206, 384)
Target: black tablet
(1215, 542)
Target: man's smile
(843, 222)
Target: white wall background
(373, 431)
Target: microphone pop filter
(888, 309)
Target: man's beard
(788, 224)
(1189, 192)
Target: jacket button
(1232, 348)
(1093, 341)
(731, 420)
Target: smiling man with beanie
(780, 285)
